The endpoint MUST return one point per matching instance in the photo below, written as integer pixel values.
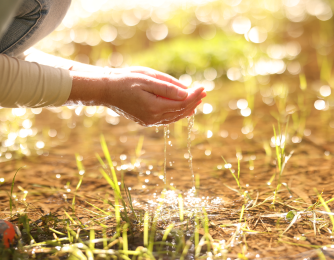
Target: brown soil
(309, 167)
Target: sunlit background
(245, 52)
(263, 63)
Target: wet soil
(51, 180)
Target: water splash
(191, 202)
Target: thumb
(166, 90)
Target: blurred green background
(247, 54)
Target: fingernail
(182, 94)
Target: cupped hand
(149, 72)
(151, 98)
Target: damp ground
(249, 221)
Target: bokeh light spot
(241, 25)
(257, 34)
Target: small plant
(281, 158)
(115, 186)
(234, 176)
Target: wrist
(88, 89)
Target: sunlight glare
(241, 25)
(325, 91)
(207, 108)
(257, 34)
(320, 104)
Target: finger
(164, 89)
(158, 75)
(193, 112)
(168, 118)
(170, 79)
(188, 112)
(166, 105)
(172, 116)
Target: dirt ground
(51, 178)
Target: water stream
(191, 120)
(166, 135)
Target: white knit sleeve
(29, 84)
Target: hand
(151, 101)
(149, 72)
(144, 99)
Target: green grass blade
(206, 228)
(125, 239)
(185, 250)
(79, 163)
(11, 192)
(181, 207)
(91, 238)
(277, 150)
(128, 195)
(197, 228)
(235, 177)
(100, 160)
(328, 201)
(302, 80)
(81, 170)
(106, 176)
(167, 231)
(146, 218)
(107, 155)
(139, 146)
(286, 136)
(70, 218)
(57, 232)
(238, 168)
(117, 210)
(324, 204)
(106, 213)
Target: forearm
(88, 89)
(40, 57)
(26, 84)
(29, 84)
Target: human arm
(144, 99)
(25, 84)
(141, 98)
(144, 107)
(34, 55)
